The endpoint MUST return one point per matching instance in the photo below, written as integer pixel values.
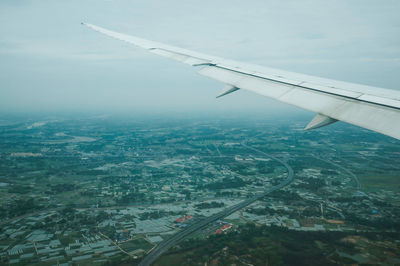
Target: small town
(127, 188)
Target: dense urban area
(110, 190)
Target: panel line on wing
(393, 104)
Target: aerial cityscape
(204, 133)
(176, 190)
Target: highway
(173, 240)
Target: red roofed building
(223, 229)
(226, 227)
(184, 218)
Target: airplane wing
(368, 107)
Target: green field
(135, 244)
(375, 182)
(279, 246)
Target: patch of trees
(187, 194)
(60, 188)
(209, 205)
(312, 183)
(261, 245)
(243, 168)
(285, 195)
(277, 181)
(184, 151)
(349, 199)
(20, 189)
(381, 203)
(102, 215)
(227, 182)
(328, 172)
(89, 193)
(20, 207)
(121, 181)
(265, 211)
(89, 220)
(91, 172)
(157, 214)
(227, 194)
(68, 210)
(311, 211)
(131, 197)
(378, 223)
(264, 168)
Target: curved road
(172, 241)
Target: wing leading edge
(369, 107)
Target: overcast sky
(49, 62)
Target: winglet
(320, 121)
(228, 89)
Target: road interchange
(175, 239)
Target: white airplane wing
(369, 107)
